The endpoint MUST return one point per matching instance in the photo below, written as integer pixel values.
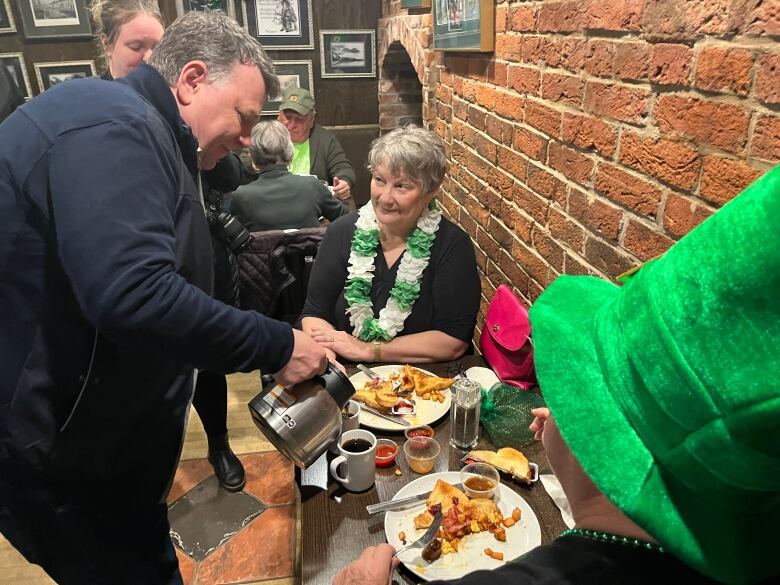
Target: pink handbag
(505, 342)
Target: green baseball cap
(297, 99)
(667, 390)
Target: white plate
(485, 376)
(428, 411)
(520, 538)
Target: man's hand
(341, 189)
(373, 567)
(307, 360)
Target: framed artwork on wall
(348, 53)
(50, 74)
(415, 3)
(463, 25)
(14, 62)
(54, 18)
(281, 24)
(225, 6)
(7, 24)
(291, 74)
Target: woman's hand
(540, 417)
(373, 567)
(343, 344)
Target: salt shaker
(464, 414)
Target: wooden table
(336, 527)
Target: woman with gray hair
(279, 200)
(396, 281)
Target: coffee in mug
(356, 460)
(356, 445)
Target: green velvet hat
(667, 390)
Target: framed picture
(291, 74)
(415, 3)
(348, 53)
(54, 18)
(14, 62)
(281, 24)
(225, 6)
(463, 25)
(50, 74)
(7, 24)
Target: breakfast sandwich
(508, 460)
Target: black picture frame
(464, 25)
(225, 6)
(348, 53)
(281, 24)
(42, 19)
(297, 73)
(415, 3)
(14, 62)
(50, 74)
(7, 24)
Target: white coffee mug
(348, 423)
(357, 449)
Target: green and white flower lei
(406, 288)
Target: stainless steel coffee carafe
(304, 419)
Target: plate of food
(430, 395)
(476, 533)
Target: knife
(395, 419)
(403, 502)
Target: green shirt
(301, 163)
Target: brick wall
(599, 132)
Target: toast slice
(443, 494)
(508, 460)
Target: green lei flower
(419, 243)
(405, 293)
(357, 291)
(373, 331)
(364, 242)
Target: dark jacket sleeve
(117, 245)
(226, 175)
(331, 159)
(330, 207)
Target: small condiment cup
(421, 453)
(476, 474)
(419, 431)
(386, 451)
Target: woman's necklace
(406, 289)
(613, 539)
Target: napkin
(553, 487)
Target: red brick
(645, 242)
(497, 72)
(628, 190)
(548, 249)
(724, 69)
(522, 223)
(530, 143)
(632, 60)
(460, 108)
(546, 184)
(595, 214)
(516, 275)
(494, 127)
(501, 18)
(512, 163)
(559, 17)
(571, 53)
(543, 118)
(722, 179)
(766, 138)
(572, 164)
(762, 19)
(621, 102)
(686, 21)
(500, 233)
(488, 244)
(522, 18)
(667, 160)
(589, 132)
(671, 64)
(477, 119)
(524, 79)
(478, 67)
(486, 148)
(617, 15)
(573, 266)
(566, 89)
(531, 203)
(565, 230)
(606, 258)
(682, 214)
(768, 79)
(712, 122)
(509, 47)
(530, 262)
(600, 59)
(533, 48)
(509, 105)
(485, 95)
(500, 181)
(477, 211)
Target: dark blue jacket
(105, 274)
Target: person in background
(279, 200)
(316, 151)
(396, 281)
(105, 276)
(127, 32)
(662, 430)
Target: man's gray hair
(217, 40)
(271, 144)
(413, 152)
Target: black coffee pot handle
(338, 385)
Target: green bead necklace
(613, 538)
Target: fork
(426, 538)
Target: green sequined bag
(506, 414)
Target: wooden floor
(244, 438)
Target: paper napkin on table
(553, 487)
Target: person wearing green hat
(316, 150)
(664, 414)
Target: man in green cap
(316, 151)
(664, 414)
